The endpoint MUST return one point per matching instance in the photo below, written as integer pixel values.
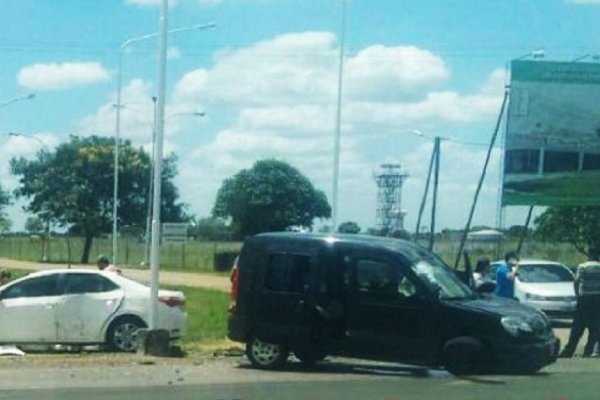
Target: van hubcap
(265, 353)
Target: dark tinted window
(88, 283)
(591, 161)
(288, 273)
(34, 287)
(522, 161)
(561, 161)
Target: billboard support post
(524, 233)
(481, 178)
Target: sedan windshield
(544, 273)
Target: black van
(378, 299)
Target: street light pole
(338, 123)
(158, 152)
(118, 107)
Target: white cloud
(53, 76)
(393, 73)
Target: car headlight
(535, 297)
(516, 326)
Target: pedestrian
(481, 273)
(506, 274)
(587, 311)
(5, 276)
(104, 264)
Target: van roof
(392, 244)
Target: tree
(73, 186)
(349, 227)
(5, 222)
(211, 229)
(34, 225)
(576, 225)
(271, 196)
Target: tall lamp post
(118, 107)
(151, 185)
(338, 123)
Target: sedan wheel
(123, 334)
(265, 355)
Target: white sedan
(546, 285)
(78, 306)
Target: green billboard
(552, 143)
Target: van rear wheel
(266, 355)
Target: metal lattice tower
(389, 179)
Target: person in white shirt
(104, 264)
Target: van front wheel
(265, 355)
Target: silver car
(546, 285)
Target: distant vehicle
(77, 306)
(546, 285)
(378, 299)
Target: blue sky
(266, 79)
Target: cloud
(393, 73)
(54, 76)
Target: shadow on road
(334, 366)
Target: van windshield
(438, 277)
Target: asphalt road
(229, 379)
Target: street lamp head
(30, 96)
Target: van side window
(288, 273)
(377, 278)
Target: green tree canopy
(5, 222)
(579, 226)
(349, 227)
(270, 196)
(34, 225)
(73, 186)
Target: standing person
(5, 276)
(506, 274)
(480, 274)
(104, 264)
(587, 312)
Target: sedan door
(90, 300)
(27, 310)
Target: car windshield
(438, 277)
(544, 273)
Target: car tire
(122, 334)
(266, 355)
(462, 356)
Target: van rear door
(283, 302)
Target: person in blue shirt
(505, 275)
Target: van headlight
(516, 326)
